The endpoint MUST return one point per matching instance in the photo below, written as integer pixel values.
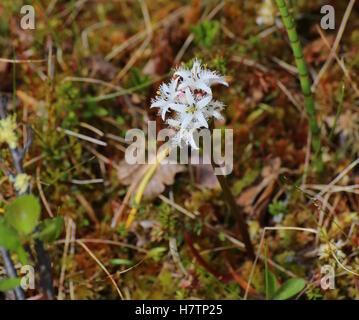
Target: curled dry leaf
(204, 175)
(164, 176)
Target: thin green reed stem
(304, 79)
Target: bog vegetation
(283, 225)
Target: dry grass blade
(335, 45)
(22, 60)
(41, 192)
(82, 137)
(143, 46)
(69, 226)
(102, 267)
(340, 62)
(88, 208)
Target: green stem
(304, 79)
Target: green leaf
(23, 214)
(121, 262)
(50, 229)
(271, 284)
(101, 112)
(289, 289)
(22, 255)
(9, 239)
(221, 236)
(255, 114)
(8, 284)
(270, 280)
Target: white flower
(166, 97)
(193, 111)
(266, 13)
(214, 109)
(188, 98)
(199, 79)
(186, 136)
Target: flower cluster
(188, 97)
(7, 131)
